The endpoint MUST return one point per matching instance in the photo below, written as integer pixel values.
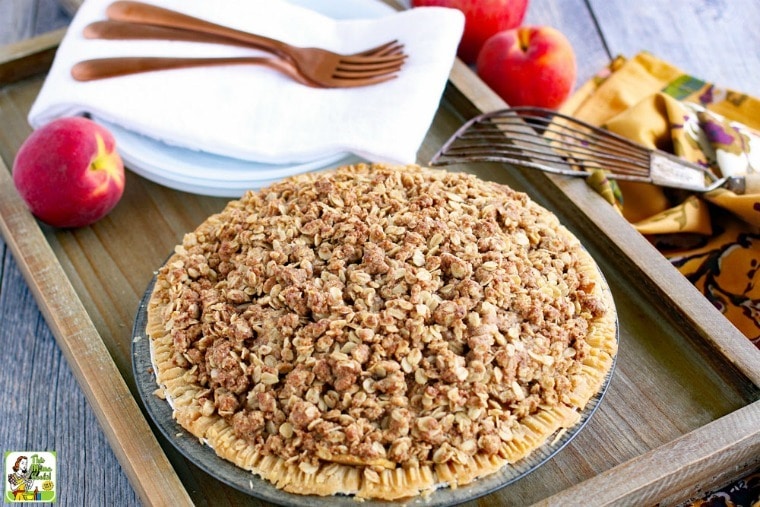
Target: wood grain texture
(671, 363)
(18, 16)
(114, 406)
(26, 18)
(34, 374)
(678, 470)
(28, 57)
(51, 15)
(711, 39)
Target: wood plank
(105, 389)
(94, 260)
(679, 470)
(28, 57)
(91, 257)
(50, 16)
(111, 289)
(36, 361)
(43, 404)
(18, 19)
(713, 41)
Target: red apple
(529, 66)
(69, 173)
(482, 19)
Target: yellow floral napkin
(712, 238)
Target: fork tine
(387, 48)
(366, 60)
(390, 53)
(362, 75)
(374, 68)
(366, 71)
(350, 82)
(338, 80)
(397, 49)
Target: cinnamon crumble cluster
(379, 316)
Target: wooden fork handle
(124, 30)
(138, 12)
(101, 68)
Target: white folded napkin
(252, 112)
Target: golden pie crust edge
(343, 477)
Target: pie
(379, 331)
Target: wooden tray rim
(674, 471)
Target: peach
(529, 66)
(69, 173)
(482, 19)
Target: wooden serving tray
(681, 415)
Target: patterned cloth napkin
(712, 238)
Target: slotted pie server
(544, 139)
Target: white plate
(201, 172)
(216, 175)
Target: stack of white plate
(215, 174)
(205, 173)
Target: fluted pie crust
(379, 331)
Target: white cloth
(252, 112)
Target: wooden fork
(122, 30)
(102, 68)
(322, 67)
(125, 30)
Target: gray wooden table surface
(41, 405)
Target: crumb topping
(390, 316)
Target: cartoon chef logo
(30, 476)
(20, 478)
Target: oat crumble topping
(394, 317)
